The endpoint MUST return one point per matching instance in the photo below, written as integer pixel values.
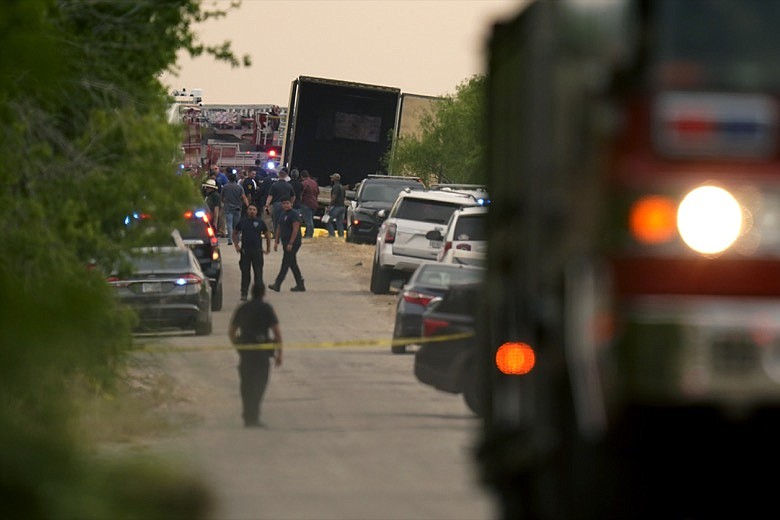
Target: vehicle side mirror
(434, 235)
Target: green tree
(84, 142)
(449, 146)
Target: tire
(472, 391)
(398, 349)
(348, 234)
(380, 279)
(216, 299)
(203, 328)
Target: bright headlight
(709, 219)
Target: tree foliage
(449, 146)
(84, 141)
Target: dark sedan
(166, 288)
(427, 282)
(201, 237)
(449, 362)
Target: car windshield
(440, 275)
(426, 210)
(383, 193)
(470, 227)
(169, 261)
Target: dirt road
(350, 434)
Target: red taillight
(189, 279)
(116, 282)
(188, 214)
(390, 234)
(431, 326)
(446, 247)
(213, 240)
(417, 298)
(515, 358)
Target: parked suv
(401, 244)
(372, 201)
(465, 238)
(200, 236)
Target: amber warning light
(515, 359)
(653, 219)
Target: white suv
(465, 239)
(401, 243)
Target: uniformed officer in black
(288, 232)
(249, 184)
(249, 330)
(249, 231)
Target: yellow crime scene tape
(301, 345)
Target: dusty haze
(424, 47)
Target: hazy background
(423, 47)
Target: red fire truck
(631, 326)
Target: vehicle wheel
(380, 279)
(472, 391)
(203, 328)
(349, 235)
(398, 349)
(216, 299)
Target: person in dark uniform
(297, 186)
(249, 331)
(250, 188)
(280, 189)
(288, 231)
(247, 238)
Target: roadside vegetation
(450, 145)
(83, 143)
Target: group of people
(286, 204)
(277, 206)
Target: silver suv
(401, 244)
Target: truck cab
(631, 256)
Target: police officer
(249, 331)
(247, 238)
(288, 232)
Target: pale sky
(424, 47)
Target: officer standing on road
(250, 188)
(247, 238)
(279, 190)
(288, 231)
(250, 326)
